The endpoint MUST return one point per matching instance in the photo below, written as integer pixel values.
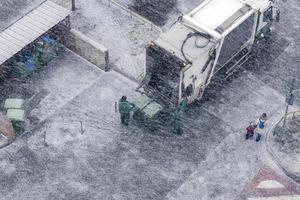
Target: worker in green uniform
(177, 121)
(177, 116)
(183, 104)
(125, 108)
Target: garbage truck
(216, 35)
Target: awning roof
(30, 27)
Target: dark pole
(73, 5)
(290, 93)
(286, 111)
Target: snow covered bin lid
(149, 107)
(13, 103)
(6, 128)
(152, 110)
(142, 102)
(15, 115)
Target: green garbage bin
(13, 103)
(151, 115)
(17, 117)
(147, 111)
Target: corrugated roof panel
(2, 60)
(32, 27)
(4, 53)
(44, 16)
(2, 57)
(51, 14)
(11, 46)
(57, 10)
(29, 28)
(57, 7)
(36, 23)
(24, 34)
(12, 39)
(41, 20)
(17, 36)
(7, 49)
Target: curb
(268, 139)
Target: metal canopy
(30, 27)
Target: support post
(286, 111)
(73, 5)
(289, 100)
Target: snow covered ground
(104, 160)
(125, 36)
(285, 146)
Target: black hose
(190, 35)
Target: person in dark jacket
(125, 108)
(250, 131)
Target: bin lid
(13, 103)
(15, 115)
(149, 107)
(152, 109)
(142, 102)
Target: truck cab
(215, 35)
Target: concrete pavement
(210, 161)
(108, 161)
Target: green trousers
(125, 118)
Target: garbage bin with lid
(17, 117)
(147, 111)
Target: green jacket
(183, 105)
(125, 107)
(177, 116)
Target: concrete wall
(88, 49)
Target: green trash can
(13, 103)
(147, 112)
(17, 117)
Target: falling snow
(56, 158)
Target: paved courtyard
(57, 159)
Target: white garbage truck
(218, 34)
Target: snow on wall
(89, 49)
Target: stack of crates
(147, 111)
(16, 114)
